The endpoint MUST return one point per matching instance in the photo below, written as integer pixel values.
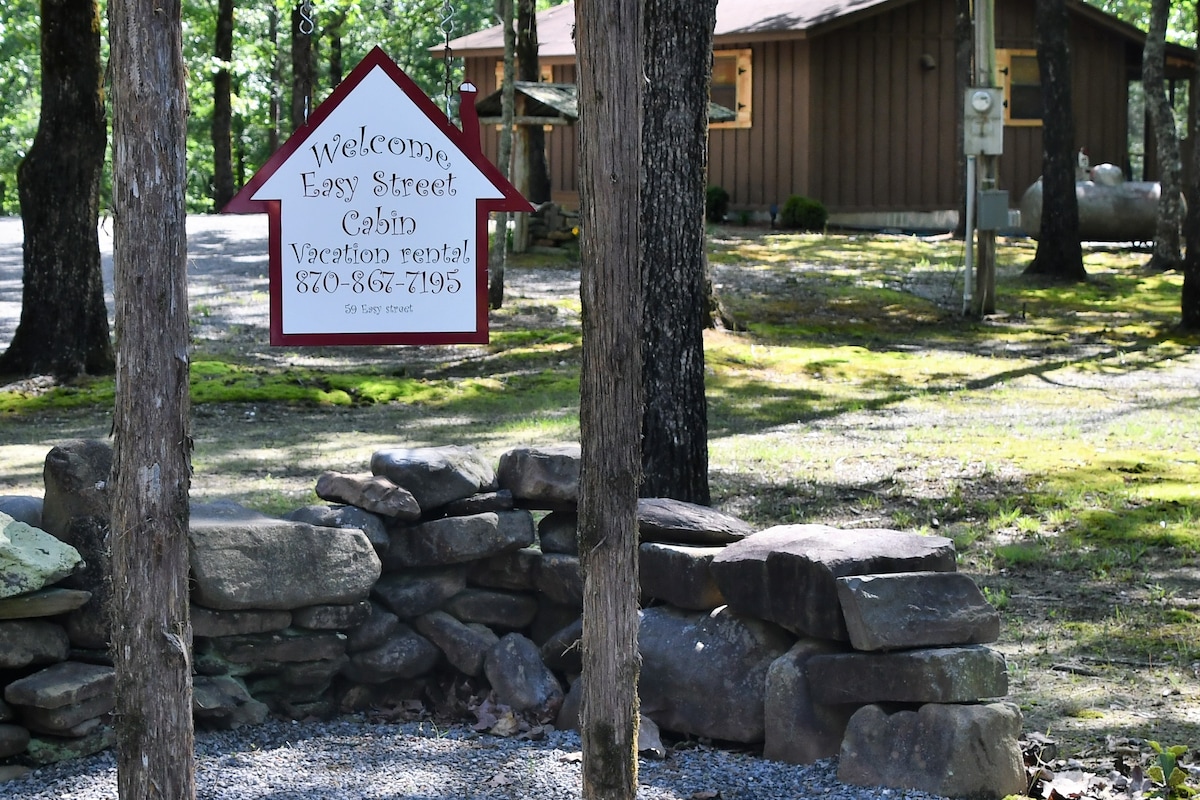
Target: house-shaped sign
(377, 212)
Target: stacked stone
(806, 640)
(49, 708)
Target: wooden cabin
(857, 104)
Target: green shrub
(716, 204)
(803, 213)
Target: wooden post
(984, 299)
(152, 634)
(609, 47)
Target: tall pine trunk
(1059, 255)
(222, 118)
(678, 60)
(529, 70)
(152, 634)
(498, 256)
(1167, 245)
(609, 52)
(1190, 300)
(63, 328)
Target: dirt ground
(1088, 702)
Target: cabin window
(1022, 83)
(731, 85)
(545, 74)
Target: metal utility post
(991, 121)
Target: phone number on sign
(379, 281)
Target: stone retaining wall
(438, 569)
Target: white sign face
(381, 231)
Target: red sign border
(466, 140)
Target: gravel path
(349, 760)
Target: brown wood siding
(851, 118)
(884, 127)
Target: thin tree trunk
(1190, 300)
(63, 328)
(336, 71)
(1059, 255)
(678, 60)
(1167, 245)
(609, 52)
(303, 69)
(498, 258)
(152, 637)
(222, 119)
(274, 105)
(529, 70)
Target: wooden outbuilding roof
(556, 104)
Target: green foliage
(803, 214)
(716, 203)
(1170, 780)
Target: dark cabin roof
(558, 104)
(744, 20)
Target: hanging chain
(307, 26)
(447, 26)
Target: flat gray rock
(61, 684)
(929, 675)
(241, 559)
(23, 508)
(542, 477)
(662, 519)
(415, 592)
(372, 493)
(458, 540)
(406, 654)
(28, 643)
(208, 623)
(915, 609)
(435, 475)
(679, 574)
(788, 574)
(43, 603)
(31, 559)
(465, 645)
(509, 611)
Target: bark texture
(152, 636)
(678, 62)
(498, 256)
(529, 70)
(222, 119)
(609, 50)
(63, 328)
(1059, 255)
(1190, 301)
(1167, 244)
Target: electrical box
(983, 122)
(992, 210)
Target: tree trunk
(152, 640)
(274, 110)
(63, 328)
(336, 71)
(528, 70)
(222, 118)
(303, 67)
(498, 258)
(1190, 301)
(1059, 255)
(609, 53)
(964, 47)
(678, 61)
(1167, 246)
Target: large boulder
(946, 750)
(915, 609)
(458, 540)
(244, 560)
(516, 673)
(76, 477)
(800, 730)
(706, 674)
(26, 643)
(412, 593)
(788, 574)
(542, 477)
(405, 654)
(435, 476)
(679, 574)
(661, 519)
(31, 558)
